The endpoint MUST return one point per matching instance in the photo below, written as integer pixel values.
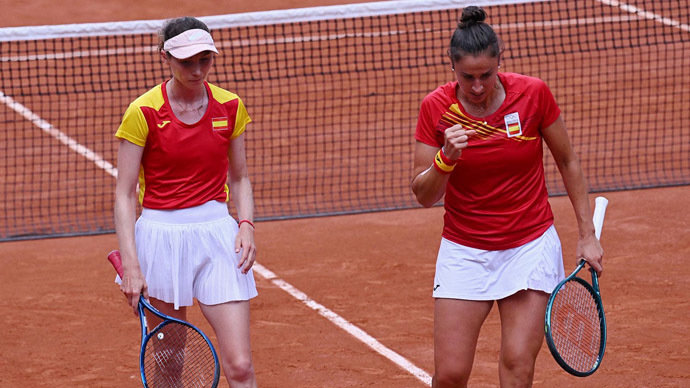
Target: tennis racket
(175, 353)
(575, 323)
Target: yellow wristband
(441, 166)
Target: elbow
(426, 202)
(425, 199)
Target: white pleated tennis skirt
(476, 274)
(190, 253)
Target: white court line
(645, 14)
(57, 134)
(345, 325)
(263, 271)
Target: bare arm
(588, 247)
(243, 199)
(428, 184)
(128, 162)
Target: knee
(239, 369)
(450, 377)
(519, 369)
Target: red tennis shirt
(183, 165)
(496, 197)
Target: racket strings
(177, 356)
(576, 326)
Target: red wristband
(446, 160)
(441, 165)
(247, 221)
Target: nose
(196, 69)
(477, 87)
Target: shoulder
(521, 82)
(527, 89)
(222, 95)
(153, 98)
(531, 94)
(134, 126)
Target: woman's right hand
(133, 286)
(456, 139)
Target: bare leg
(456, 329)
(522, 334)
(230, 321)
(167, 309)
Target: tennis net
(334, 93)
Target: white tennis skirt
(190, 253)
(476, 274)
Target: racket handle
(115, 259)
(600, 204)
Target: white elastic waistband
(210, 211)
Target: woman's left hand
(244, 243)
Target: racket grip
(600, 204)
(115, 259)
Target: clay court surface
(65, 323)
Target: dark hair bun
(470, 16)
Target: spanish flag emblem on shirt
(220, 123)
(513, 127)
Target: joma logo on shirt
(163, 123)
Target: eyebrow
(481, 75)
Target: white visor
(189, 43)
